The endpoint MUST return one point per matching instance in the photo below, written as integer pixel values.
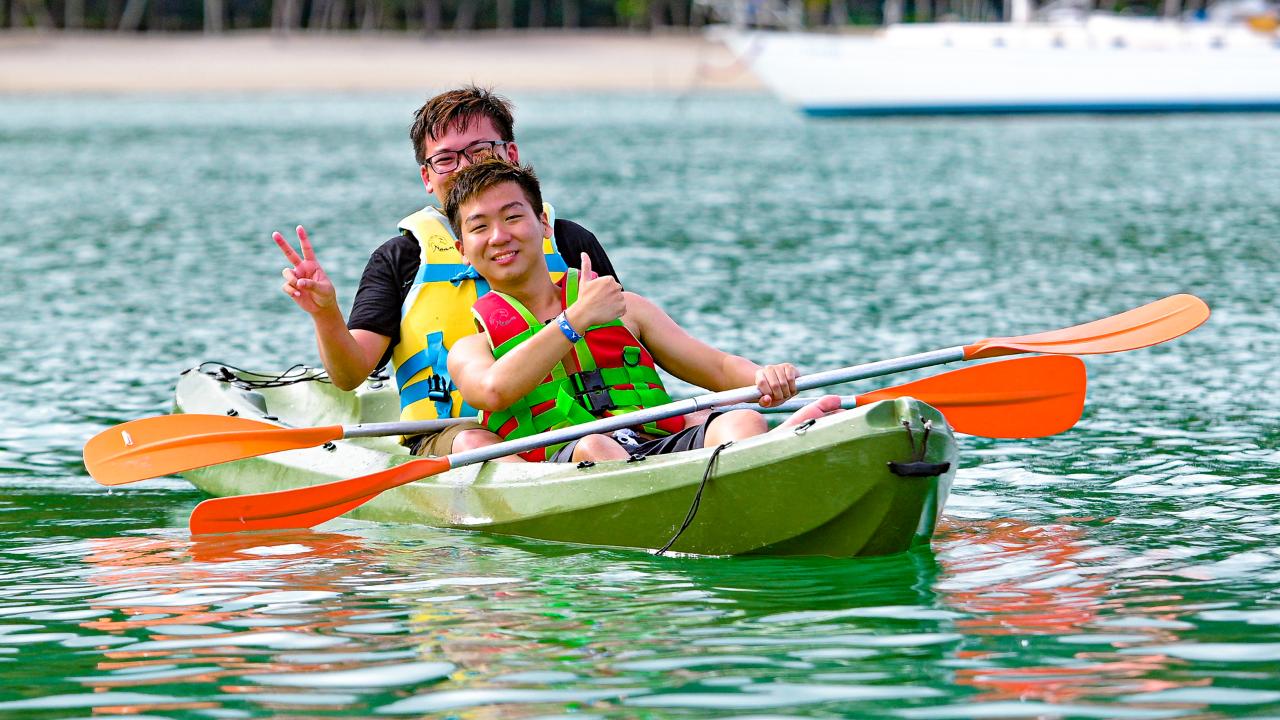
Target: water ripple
(1125, 568)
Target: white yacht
(1082, 62)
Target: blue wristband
(567, 329)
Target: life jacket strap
(438, 387)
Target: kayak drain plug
(918, 467)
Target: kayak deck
(822, 490)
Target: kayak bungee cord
(297, 373)
(697, 497)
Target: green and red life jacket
(617, 374)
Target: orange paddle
(1140, 327)
(1048, 392)
(1023, 398)
(302, 507)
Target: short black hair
(455, 110)
(472, 180)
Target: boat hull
(826, 490)
(1134, 66)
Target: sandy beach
(260, 61)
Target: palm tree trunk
(572, 17)
(319, 14)
(680, 13)
(431, 16)
(73, 19)
(213, 16)
(537, 13)
(657, 18)
(506, 14)
(465, 19)
(131, 17)
(371, 18)
(286, 16)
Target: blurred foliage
(445, 15)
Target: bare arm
(696, 362)
(348, 356)
(491, 385)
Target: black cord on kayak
(697, 498)
(250, 380)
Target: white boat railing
(741, 14)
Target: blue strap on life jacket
(439, 387)
(482, 285)
(468, 273)
(442, 272)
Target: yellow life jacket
(437, 312)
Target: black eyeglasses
(448, 160)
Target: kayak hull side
(825, 490)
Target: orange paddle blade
(168, 444)
(1141, 327)
(1023, 398)
(306, 506)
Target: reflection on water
(397, 621)
(1124, 569)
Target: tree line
(423, 16)
(434, 16)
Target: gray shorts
(690, 438)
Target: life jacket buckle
(591, 391)
(437, 389)
(631, 356)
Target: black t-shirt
(393, 266)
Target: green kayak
(856, 483)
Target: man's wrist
(328, 318)
(566, 327)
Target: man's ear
(426, 181)
(513, 153)
(546, 224)
(458, 244)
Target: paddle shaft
(702, 402)
(413, 427)
(422, 427)
(727, 397)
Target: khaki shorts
(439, 444)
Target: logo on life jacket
(501, 317)
(441, 243)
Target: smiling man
(552, 354)
(415, 296)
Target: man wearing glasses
(415, 296)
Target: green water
(1127, 568)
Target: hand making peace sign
(306, 281)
